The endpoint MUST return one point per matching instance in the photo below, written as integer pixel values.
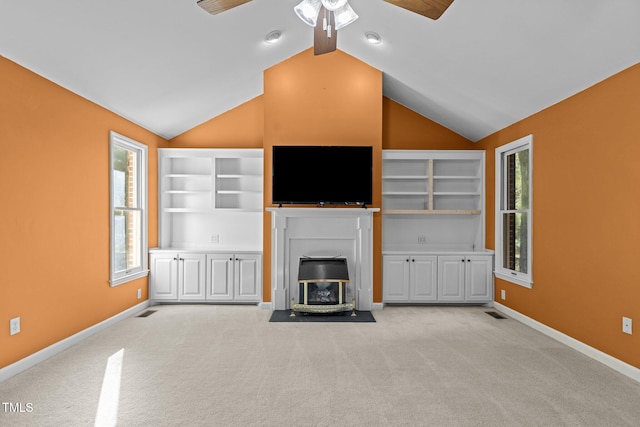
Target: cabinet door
(395, 278)
(163, 280)
(191, 277)
(423, 278)
(451, 278)
(220, 277)
(478, 278)
(248, 278)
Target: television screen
(322, 175)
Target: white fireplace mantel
(326, 232)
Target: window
(513, 211)
(128, 209)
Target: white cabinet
(177, 277)
(202, 277)
(465, 278)
(234, 277)
(409, 278)
(412, 278)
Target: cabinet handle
(413, 260)
(230, 259)
(407, 260)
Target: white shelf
(433, 199)
(238, 176)
(202, 193)
(455, 193)
(187, 192)
(465, 177)
(431, 212)
(187, 175)
(406, 177)
(406, 193)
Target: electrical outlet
(627, 325)
(139, 293)
(215, 238)
(14, 325)
(422, 240)
(503, 294)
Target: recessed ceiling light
(373, 37)
(273, 36)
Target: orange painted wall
(54, 221)
(241, 127)
(586, 215)
(404, 129)
(331, 99)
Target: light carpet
(216, 365)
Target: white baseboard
(42, 355)
(377, 306)
(610, 361)
(264, 305)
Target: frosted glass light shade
(344, 16)
(308, 10)
(333, 5)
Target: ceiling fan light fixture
(334, 5)
(308, 10)
(344, 16)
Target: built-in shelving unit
(431, 182)
(210, 226)
(433, 227)
(210, 197)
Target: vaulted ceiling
(168, 66)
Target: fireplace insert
(323, 286)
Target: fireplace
(321, 233)
(323, 286)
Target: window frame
(120, 277)
(519, 278)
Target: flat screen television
(322, 175)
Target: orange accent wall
(54, 221)
(404, 129)
(241, 127)
(586, 215)
(331, 99)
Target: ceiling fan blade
(430, 8)
(325, 41)
(218, 6)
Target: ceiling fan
(328, 16)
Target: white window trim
(116, 279)
(518, 278)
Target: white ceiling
(168, 66)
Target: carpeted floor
(195, 365)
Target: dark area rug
(284, 316)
